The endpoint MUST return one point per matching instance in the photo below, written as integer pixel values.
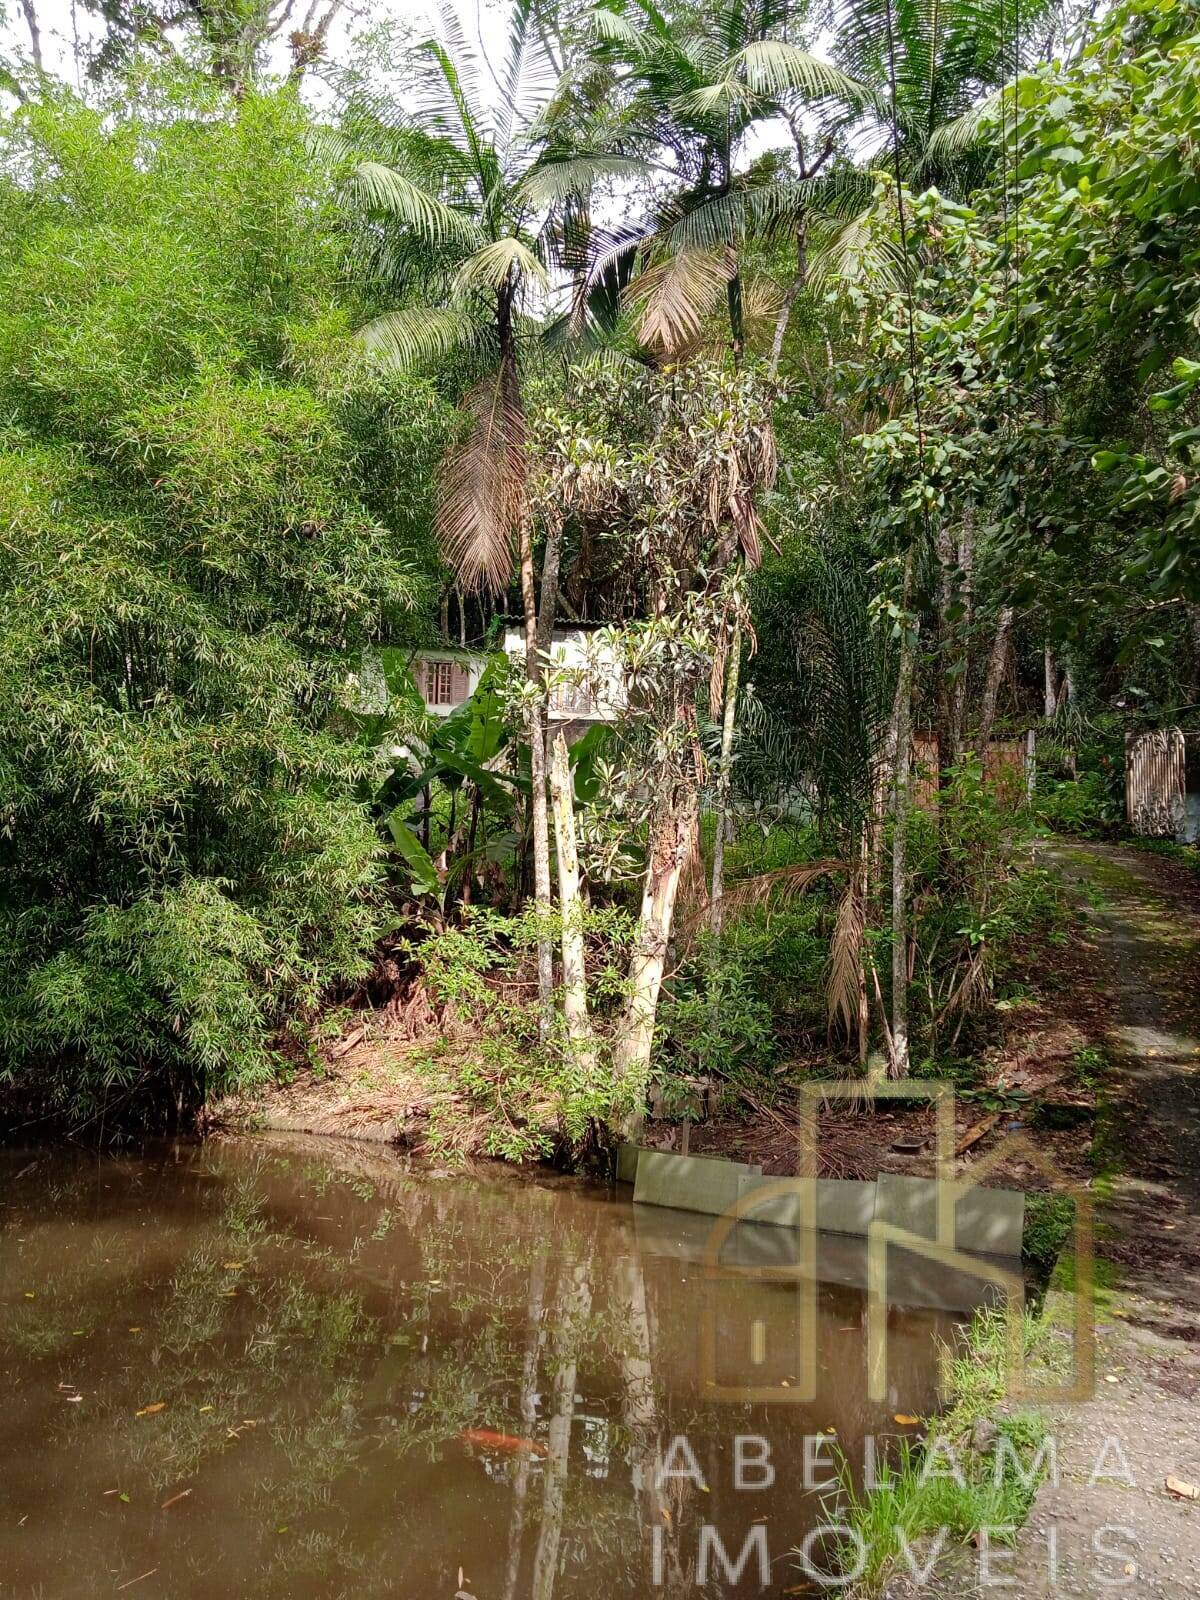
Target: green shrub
(533, 1092)
(193, 555)
(1085, 806)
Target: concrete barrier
(986, 1221)
(689, 1183)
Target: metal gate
(1156, 783)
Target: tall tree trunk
(551, 559)
(725, 777)
(958, 706)
(733, 294)
(539, 813)
(35, 34)
(660, 1522)
(1051, 679)
(570, 905)
(955, 597)
(901, 808)
(669, 845)
(791, 295)
(948, 641)
(991, 683)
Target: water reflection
(290, 1369)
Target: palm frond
(773, 66)
(852, 252)
(529, 77)
(415, 335)
(673, 296)
(726, 97)
(615, 28)
(844, 974)
(483, 483)
(760, 209)
(384, 190)
(330, 146)
(499, 262)
(452, 108)
(551, 182)
(780, 884)
(964, 133)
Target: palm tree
(941, 70)
(684, 92)
(465, 210)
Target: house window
(439, 683)
(572, 699)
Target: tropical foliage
(832, 373)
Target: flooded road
(305, 1370)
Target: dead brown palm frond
(692, 896)
(844, 979)
(761, 300)
(672, 297)
(782, 883)
(971, 989)
(716, 676)
(483, 483)
(749, 527)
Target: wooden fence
(1156, 783)
(1007, 769)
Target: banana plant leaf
(424, 874)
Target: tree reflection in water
(348, 1355)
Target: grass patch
(974, 1469)
(1187, 855)
(1049, 1219)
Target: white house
(447, 677)
(584, 680)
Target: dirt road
(1115, 1526)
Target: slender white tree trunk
(535, 1338)
(991, 683)
(966, 562)
(573, 1302)
(725, 778)
(901, 808)
(539, 813)
(1051, 677)
(635, 1033)
(570, 904)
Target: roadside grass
(976, 1468)
(1187, 855)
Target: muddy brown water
(279, 1368)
